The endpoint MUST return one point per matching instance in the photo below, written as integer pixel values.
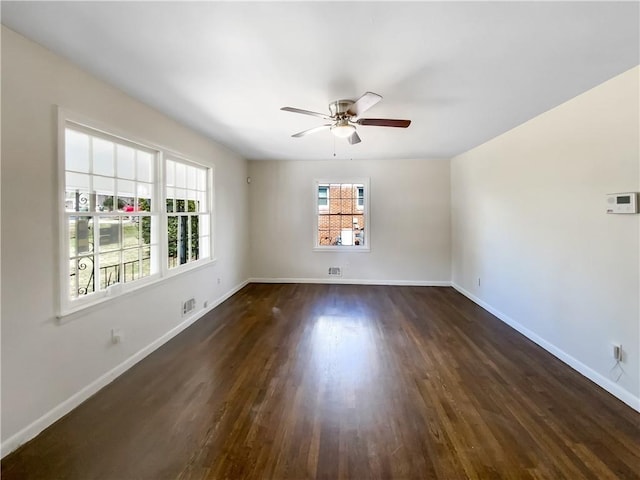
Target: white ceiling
(462, 72)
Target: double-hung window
(187, 212)
(341, 211)
(132, 214)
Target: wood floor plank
(303, 381)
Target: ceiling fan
(345, 115)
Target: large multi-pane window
(123, 214)
(341, 215)
(109, 198)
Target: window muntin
(341, 215)
(115, 215)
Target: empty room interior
(337, 240)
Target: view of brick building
(341, 219)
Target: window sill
(343, 249)
(119, 291)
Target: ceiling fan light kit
(345, 116)
(342, 129)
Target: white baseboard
(610, 386)
(76, 399)
(355, 281)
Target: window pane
(144, 204)
(346, 237)
(80, 235)
(103, 188)
(181, 175)
(126, 196)
(77, 181)
(205, 228)
(145, 270)
(126, 161)
(183, 239)
(195, 238)
(86, 275)
(110, 228)
(131, 232)
(145, 223)
(201, 179)
(202, 202)
(172, 236)
(170, 173)
(73, 235)
(109, 269)
(324, 237)
(76, 192)
(130, 265)
(102, 157)
(144, 190)
(323, 196)
(76, 151)
(191, 177)
(126, 188)
(73, 278)
(205, 242)
(144, 166)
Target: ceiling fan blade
(306, 112)
(354, 138)
(312, 130)
(384, 122)
(364, 103)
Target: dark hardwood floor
(342, 381)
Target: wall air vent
(335, 272)
(188, 306)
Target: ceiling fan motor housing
(339, 108)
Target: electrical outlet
(219, 280)
(335, 271)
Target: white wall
(409, 227)
(45, 362)
(528, 218)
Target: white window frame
(175, 157)
(68, 306)
(365, 211)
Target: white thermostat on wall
(622, 202)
